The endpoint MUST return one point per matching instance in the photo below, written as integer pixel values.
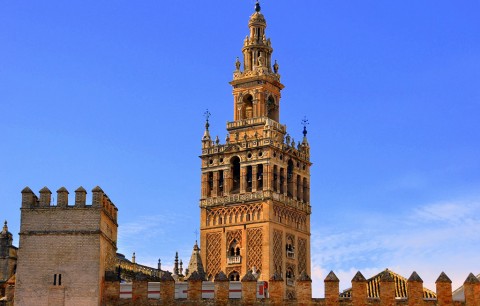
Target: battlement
(99, 200)
(275, 292)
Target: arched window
(290, 247)
(249, 179)
(272, 110)
(305, 190)
(247, 107)
(234, 276)
(220, 182)
(290, 178)
(235, 168)
(290, 277)
(275, 178)
(299, 187)
(282, 180)
(234, 249)
(260, 177)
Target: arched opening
(220, 182)
(234, 276)
(299, 187)
(233, 253)
(272, 109)
(249, 179)
(305, 190)
(275, 178)
(248, 107)
(290, 247)
(290, 277)
(235, 169)
(282, 180)
(210, 184)
(290, 178)
(260, 177)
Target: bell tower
(255, 195)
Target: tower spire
(305, 123)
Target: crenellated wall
(65, 250)
(251, 293)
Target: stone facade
(255, 196)
(64, 250)
(8, 258)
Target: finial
(5, 227)
(207, 115)
(305, 123)
(275, 67)
(257, 7)
(237, 64)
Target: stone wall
(64, 250)
(303, 288)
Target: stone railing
(256, 121)
(233, 260)
(254, 196)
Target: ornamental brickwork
(257, 182)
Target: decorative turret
(6, 236)
(5, 228)
(257, 87)
(206, 139)
(175, 267)
(195, 263)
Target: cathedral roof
(373, 285)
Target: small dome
(257, 18)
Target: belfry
(255, 195)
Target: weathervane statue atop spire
(257, 7)
(305, 123)
(207, 115)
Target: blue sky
(113, 93)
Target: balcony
(291, 254)
(234, 260)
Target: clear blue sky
(112, 93)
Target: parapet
(224, 292)
(99, 199)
